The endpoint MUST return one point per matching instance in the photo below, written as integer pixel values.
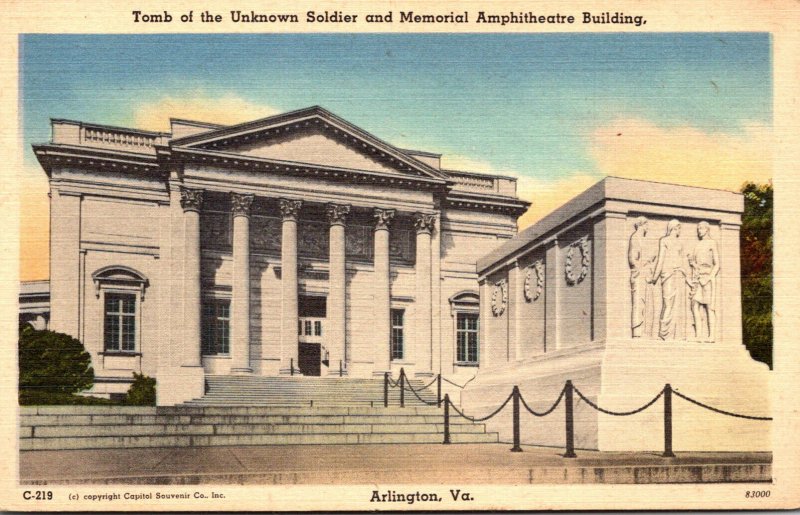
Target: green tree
(142, 391)
(756, 258)
(53, 362)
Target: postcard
(389, 256)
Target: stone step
(86, 420)
(99, 442)
(238, 429)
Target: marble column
(337, 295)
(424, 225)
(191, 202)
(382, 292)
(240, 308)
(290, 210)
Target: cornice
(232, 160)
(303, 119)
(50, 155)
(481, 202)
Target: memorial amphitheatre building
(297, 244)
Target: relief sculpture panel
(673, 294)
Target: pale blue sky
(525, 102)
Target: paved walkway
(392, 464)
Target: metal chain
(420, 398)
(717, 410)
(475, 419)
(548, 411)
(618, 413)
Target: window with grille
(397, 333)
(119, 328)
(216, 334)
(467, 337)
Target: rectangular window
(467, 337)
(317, 327)
(119, 329)
(216, 327)
(397, 334)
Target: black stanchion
(668, 422)
(386, 389)
(340, 368)
(291, 366)
(570, 423)
(439, 391)
(402, 388)
(446, 419)
(515, 406)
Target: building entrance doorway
(311, 353)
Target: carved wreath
(499, 298)
(582, 246)
(538, 269)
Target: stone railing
(128, 140)
(480, 183)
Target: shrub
(53, 362)
(142, 392)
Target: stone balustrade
(67, 132)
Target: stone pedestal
(623, 375)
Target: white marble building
(295, 244)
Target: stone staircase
(252, 411)
(305, 392)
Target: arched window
(121, 291)
(465, 310)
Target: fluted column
(382, 292)
(424, 225)
(240, 309)
(337, 296)
(290, 209)
(192, 203)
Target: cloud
(34, 225)
(638, 149)
(198, 106)
(545, 195)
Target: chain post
(446, 419)
(340, 368)
(570, 422)
(668, 422)
(515, 399)
(439, 391)
(402, 388)
(386, 389)
(291, 366)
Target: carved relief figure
(704, 263)
(641, 274)
(671, 271)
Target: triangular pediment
(312, 136)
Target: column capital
(241, 203)
(337, 213)
(424, 223)
(290, 209)
(383, 218)
(191, 200)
